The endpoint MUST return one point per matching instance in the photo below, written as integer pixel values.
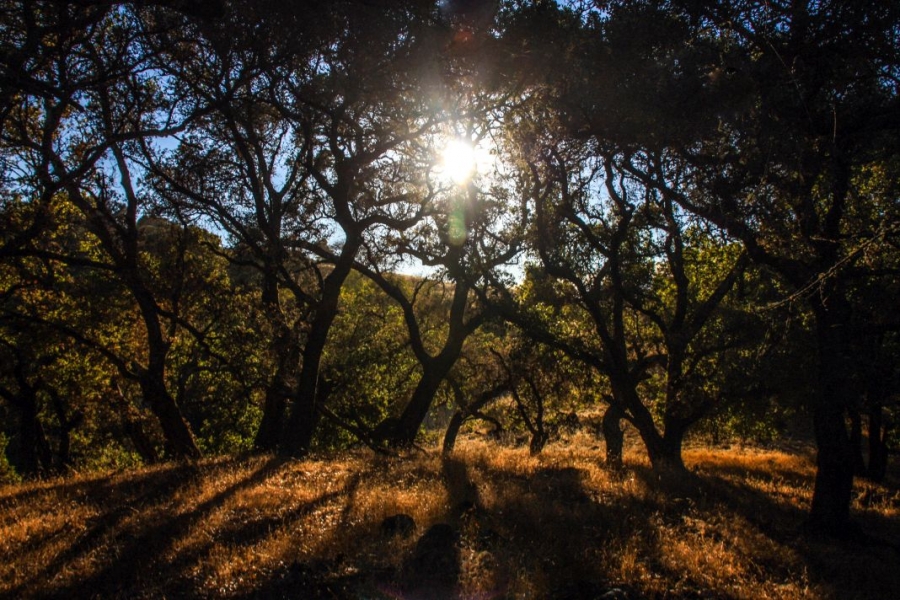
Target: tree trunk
(456, 422)
(131, 424)
(278, 395)
(285, 350)
(142, 444)
(665, 455)
(664, 452)
(830, 510)
(29, 462)
(301, 426)
(471, 410)
(45, 453)
(180, 443)
(539, 439)
(33, 454)
(416, 410)
(66, 425)
(612, 435)
(270, 426)
(877, 427)
(435, 369)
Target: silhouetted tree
(83, 102)
(301, 158)
(773, 121)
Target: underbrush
(558, 525)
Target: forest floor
(491, 522)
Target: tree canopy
(286, 226)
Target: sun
(460, 161)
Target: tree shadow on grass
(551, 528)
(577, 541)
(124, 497)
(138, 529)
(143, 537)
(863, 567)
(429, 567)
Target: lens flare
(459, 161)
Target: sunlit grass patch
(528, 526)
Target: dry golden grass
(556, 525)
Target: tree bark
(180, 443)
(133, 428)
(270, 426)
(142, 444)
(877, 428)
(66, 425)
(830, 510)
(471, 410)
(278, 394)
(456, 422)
(29, 431)
(34, 455)
(612, 435)
(664, 451)
(434, 371)
(416, 411)
(301, 426)
(285, 350)
(672, 442)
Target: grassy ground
(554, 526)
